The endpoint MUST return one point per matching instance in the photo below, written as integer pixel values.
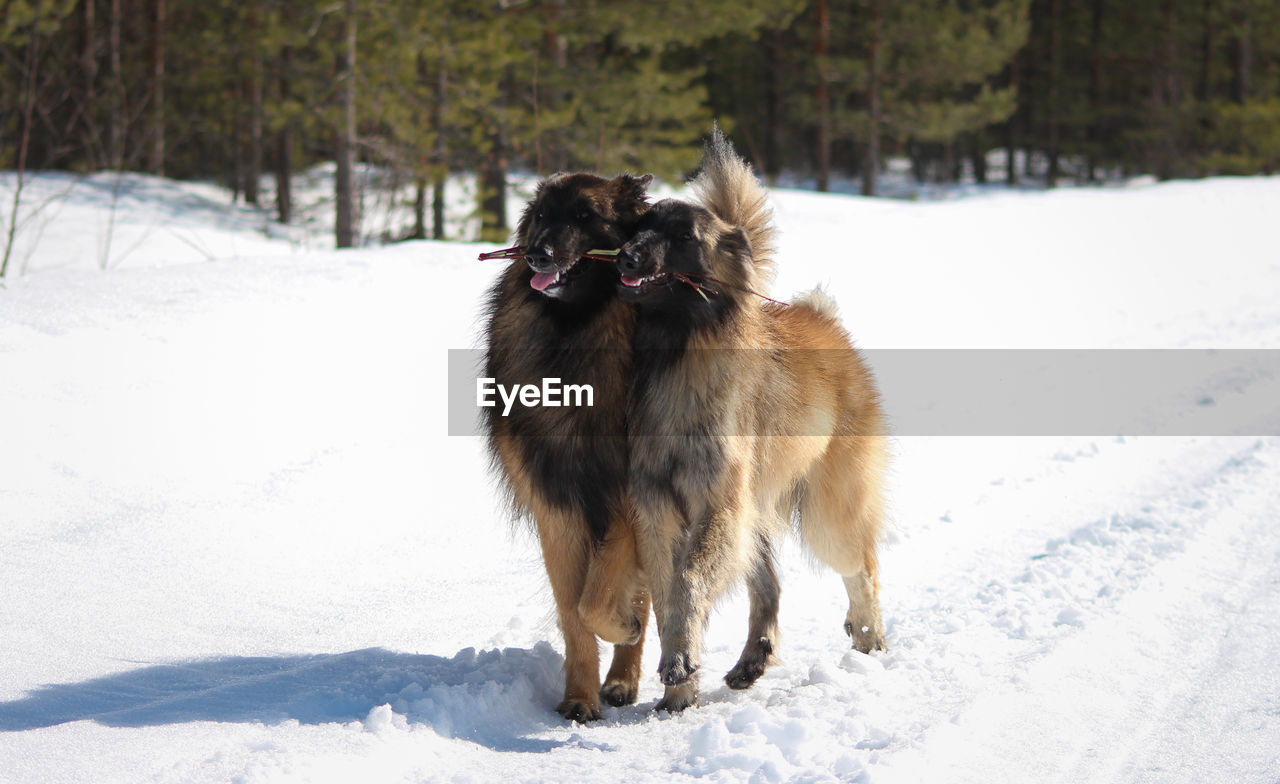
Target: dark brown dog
(556, 315)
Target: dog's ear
(526, 220)
(629, 187)
(734, 243)
(526, 215)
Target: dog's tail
(727, 186)
(817, 299)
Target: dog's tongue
(627, 280)
(543, 280)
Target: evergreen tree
(941, 60)
(224, 90)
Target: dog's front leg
(675, 697)
(713, 557)
(659, 527)
(566, 547)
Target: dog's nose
(627, 264)
(539, 260)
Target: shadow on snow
(495, 698)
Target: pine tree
(633, 96)
(942, 62)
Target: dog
(554, 314)
(743, 416)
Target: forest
(1036, 91)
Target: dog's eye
(584, 215)
(537, 215)
(686, 237)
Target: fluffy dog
(555, 315)
(743, 415)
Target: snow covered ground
(237, 543)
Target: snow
(238, 543)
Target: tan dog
(743, 416)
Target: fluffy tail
(819, 300)
(727, 186)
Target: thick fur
(565, 469)
(743, 416)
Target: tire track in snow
(1136, 689)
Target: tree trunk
(1011, 128)
(234, 141)
(116, 123)
(419, 208)
(1204, 87)
(1241, 62)
(89, 71)
(156, 164)
(441, 168)
(284, 173)
(978, 156)
(950, 161)
(437, 206)
(551, 157)
(916, 151)
(1095, 90)
(1055, 89)
(345, 227)
(253, 161)
(253, 150)
(1170, 91)
(422, 164)
(493, 195)
(493, 175)
(284, 137)
(821, 95)
(1173, 58)
(871, 165)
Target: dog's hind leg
(841, 515)
(622, 683)
(863, 623)
(762, 631)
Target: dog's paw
(751, 666)
(744, 674)
(677, 698)
(618, 693)
(677, 668)
(579, 711)
(865, 638)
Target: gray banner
(1175, 392)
